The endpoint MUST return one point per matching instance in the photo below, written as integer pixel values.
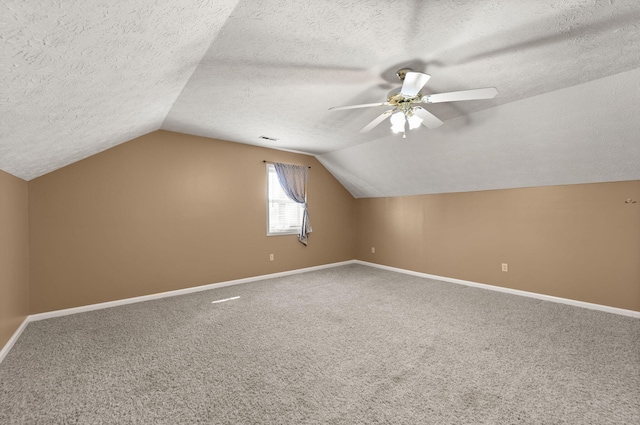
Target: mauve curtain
(293, 179)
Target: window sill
(295, 233)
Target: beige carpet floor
(347, 345)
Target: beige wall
(168, 211)
(580, 242)
(14, 255)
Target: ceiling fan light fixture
(397, 122)
(414, 121)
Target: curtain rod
(271, 162)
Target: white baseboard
(99, 306)
(9, 345)
(58, 313)
(600, 307)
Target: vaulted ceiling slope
(79, 77)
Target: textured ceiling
(79, 77)
(82, 77)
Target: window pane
(284, 215)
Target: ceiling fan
(407, 99)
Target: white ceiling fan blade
(413, 83)
(428, 119)
(383, 116)
(364, 105)
(454, 96)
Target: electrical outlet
(373, 249)
(505, 267)
(271, 257)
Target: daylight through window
(284, 216)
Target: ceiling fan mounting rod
(402, 72)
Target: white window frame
(282, 201)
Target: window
(284, 216)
